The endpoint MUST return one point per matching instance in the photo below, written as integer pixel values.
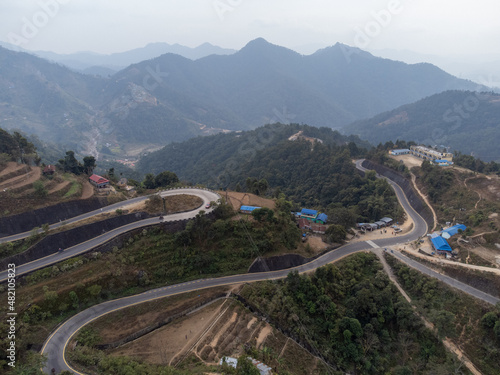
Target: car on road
(208, 205)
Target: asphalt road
(207, 196)
(55, 345)
(110, 208)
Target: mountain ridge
(171, 98)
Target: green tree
(40, 190)
(246, 367)
(263, 214)
(75, 301)
(165, 179)
(496, 329)
(88, 337)
(70, 164)
(94, 290)
(336, 233)
(31, 364)
(89, 164)
(444, 322)
(489, 319)
(149, 181)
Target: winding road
(206, 195)
(54, 347)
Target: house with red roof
(49, 170)
(98, 181)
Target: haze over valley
(249, 187)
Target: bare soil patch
(487, 187)
(317, 243)
(120, 324)
(12, 167)
(23, 180)
(408, 160)
(59, 187)
(162, 345)
(87, 190)
(171, 203)
(245, 199)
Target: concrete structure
(430, 154)
(401, 151)
(98, 181)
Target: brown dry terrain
(409, 160)
(17, 193)
(173, 204)
(120, 324)
(24, 179)
(245, 199)
(12, 167)
(478, 195)
(220, 329)
(87, 190)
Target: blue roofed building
(442, 163)
(308, 214)
(321, 219)
(401, 151)
(441, 245)
(447, 233)
(248, 209)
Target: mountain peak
(257, 43)
(340, 49)
(260, 46)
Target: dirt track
(11, 167)
(87, 190)
(20, 181)
(59, 187)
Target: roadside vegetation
(472, 324)
(206, 247)
(459, 196)
(354, 317)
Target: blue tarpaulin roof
(454, 229)
(441, 244)
(308, 212)
(323, 217)
(248, 208)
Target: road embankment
(10, 225)
(413, 198)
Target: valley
(175, 210)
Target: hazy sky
(435, 27)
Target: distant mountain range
(172, 98)
(104, 65)
(458, 120)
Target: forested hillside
(172, 98)
(355, 318)
(463, 121)
(311, 173)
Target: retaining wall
(415, 201)
(26, 221)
